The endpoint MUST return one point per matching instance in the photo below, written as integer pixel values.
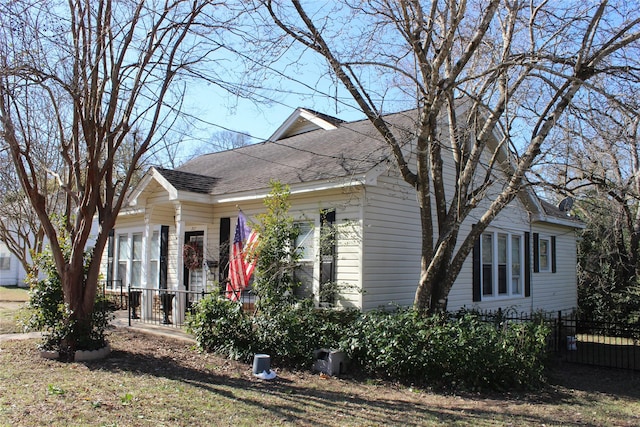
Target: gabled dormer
(303, 120)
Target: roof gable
(304, 120)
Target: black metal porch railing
(167, 307)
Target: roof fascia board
(131, 211)
(188, 196)
(558, 221)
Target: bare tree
(107, 72)
(20, 228)
(491, 72)
(598, 163)
(221, 141)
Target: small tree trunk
(79, 295)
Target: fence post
(122, 295)
(559, 333)
(128, 302)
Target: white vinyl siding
(557, 291)
(512, 221)
(391, 244)
(306, 207)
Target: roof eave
(569, 222)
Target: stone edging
(81, 355)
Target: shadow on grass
(616, 382)
(305, 400)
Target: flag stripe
(242, 259)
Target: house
(11, 271)
(342, 180)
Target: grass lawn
(11, 300)
(155, 381)
(13, 294)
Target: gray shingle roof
(352, 149)
(185, 181)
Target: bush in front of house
(448, 351)
(222, 327)
(289, 335)
(461, 351)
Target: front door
(193, 260)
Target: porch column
(147, 295)
(179, 302)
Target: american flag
(242, 258)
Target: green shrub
(222, 327)
(50, 314)
(288, 335)
(459, 352)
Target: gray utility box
(330, 362)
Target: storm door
(192, 254)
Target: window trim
(5, 265)
(318, 261)
(480, 267)
(145, 273)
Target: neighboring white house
(341, 178)
(11, 271)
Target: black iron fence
(579, 340)
(600, 343)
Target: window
(122, 264)
(516, 265)
(305, 245)
(129, 260)
(502, 262)
(154, 260)
(5, 261)
(136, 260)
(304, 241)
(544, 253)
(544, 248)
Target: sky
(212, 109)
